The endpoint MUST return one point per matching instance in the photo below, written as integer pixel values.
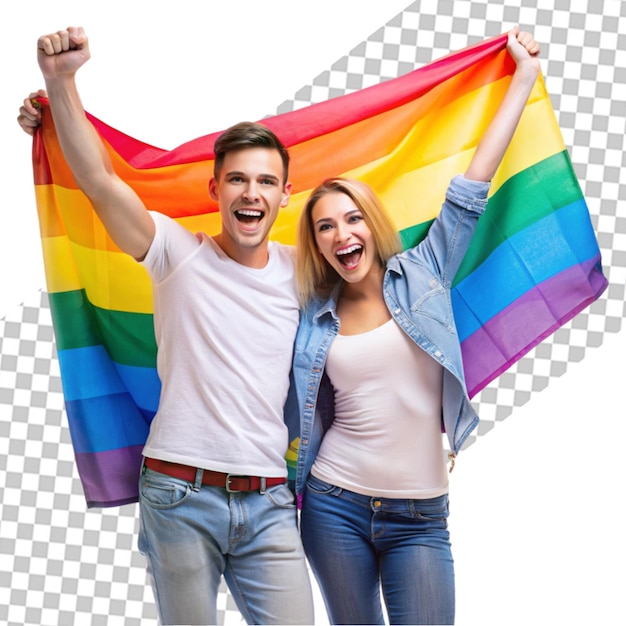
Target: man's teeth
(349, 249)
(249, 213)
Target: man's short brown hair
(248, 135)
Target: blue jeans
(357, 545)
(193, 534)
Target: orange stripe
(182, 189)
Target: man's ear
(286, 194)
(213, 188)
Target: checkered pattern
(63, 565)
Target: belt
(231, 482)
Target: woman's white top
(386, 439)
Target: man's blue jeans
(357, 544)
(191, 534)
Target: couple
(376, 371)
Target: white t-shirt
(225, 336)
(386, 438)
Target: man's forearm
(80, 143)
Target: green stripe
(522, 200)
(127, 337)
(412, 235)
(74, 320)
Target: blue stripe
(542, 250)
(143, 384)
(106, 423)
(90, 373)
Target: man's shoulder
(283, 250)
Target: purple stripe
(110, 478)
(514, 331)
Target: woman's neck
(370, 288)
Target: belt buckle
(230, 477)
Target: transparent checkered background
(63, 565)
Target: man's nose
(251, 192)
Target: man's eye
(268, 181)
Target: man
(213, 493)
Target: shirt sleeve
(172, 244)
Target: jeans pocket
(432, 510)
(162, 492)
(281, 496)
(319, 486)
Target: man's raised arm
(122, 212)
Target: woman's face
(343, 237)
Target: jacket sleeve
(450, 234)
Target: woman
(377, 368)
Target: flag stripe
(129, 337)
(501, 341)
(118, 430)
(142, 383)
(524, 199)
(532, 256)
(415, 160)
(407, 210)
(110, 477)
(460, 70)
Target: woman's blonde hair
(314, 274)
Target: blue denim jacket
(416, 289)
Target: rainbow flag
(533, 263)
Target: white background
(537, 504)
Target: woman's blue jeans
(357, 545)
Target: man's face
(249, 192)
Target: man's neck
(255, 257)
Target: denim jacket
(416, 290)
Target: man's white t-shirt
(225, 336)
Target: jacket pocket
(434, 305)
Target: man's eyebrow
(240, 173)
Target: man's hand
(62, 53)
(29, 118)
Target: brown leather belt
(231, 482)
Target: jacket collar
(327, 306)
(393, 264)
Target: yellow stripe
(59, 264)
(210, 223)
(112, 280)
(412, 180)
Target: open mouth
(350, 255)
(249, 217)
